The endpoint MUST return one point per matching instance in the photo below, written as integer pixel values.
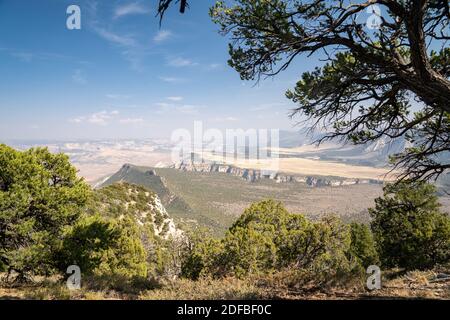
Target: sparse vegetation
(215, 200)
(121, 238)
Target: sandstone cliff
(253, 175)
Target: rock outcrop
(253, 175)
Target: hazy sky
(121, 76)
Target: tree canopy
(267, 237)
(163, 6)
(40, 196)
(391, 81)
(409, 227)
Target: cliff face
(253, 175)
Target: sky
(122, 76)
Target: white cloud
(99, 118)
(23, 56)
(260, 108)
(225, 119)
(163, 104)
(162, 35)
(176, 108)
(181, 62)
(163, 107)
(132, 51)
(115, 38)
(176, 99)
(188, 109)
(77, 120)
(131, 120)
(268, 106)
(116, 96)
(172, 79)
(130, 9)
(79, 77)
(214, 66)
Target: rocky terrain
(253, 175)
(123, 199)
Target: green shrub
(3, 267)
(201, 256)
(247, 251)
(410, 230)
(362, 245)
(267, 238)
(101, 246)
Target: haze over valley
(315, 180)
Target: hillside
(122, 199)
(147, 177)
(215, 199)
(170, 195)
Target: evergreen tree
(363, 245)
(409, 229)
(40, 195)
(372, 72)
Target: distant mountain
(373, 154)
(293, 139)
(443, 184)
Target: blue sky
(122, 76)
